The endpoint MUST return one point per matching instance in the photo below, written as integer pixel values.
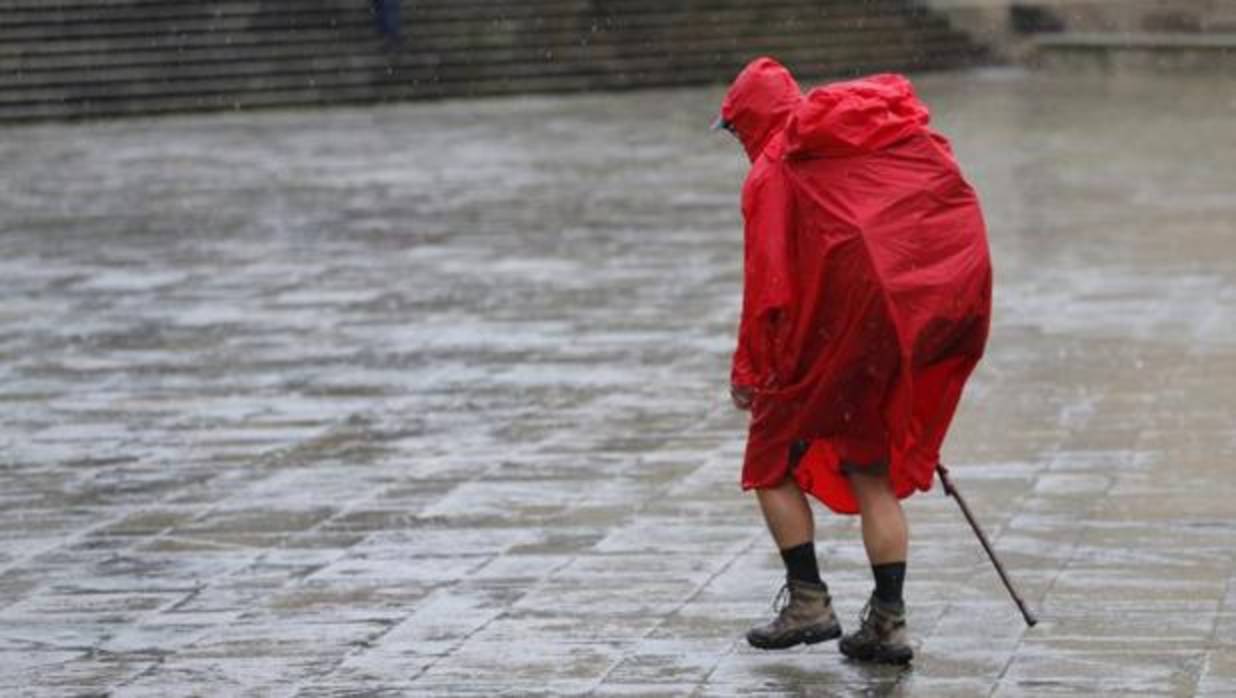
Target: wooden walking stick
(951, 491)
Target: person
(386, 19)
(866, 305)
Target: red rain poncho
(867, 281)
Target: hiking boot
(804, 616)
(882, 637)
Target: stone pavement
(431, 400)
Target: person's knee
(872, 491)
(871, 484)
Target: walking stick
(951, 491)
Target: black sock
(889, 578)
(800, 563)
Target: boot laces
(877, 622)
(782, 600)
(868, 623)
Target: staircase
(96, 58)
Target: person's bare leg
(882, 635)
(885, 533)
(787, 514)
(807, 617)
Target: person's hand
(741, 396)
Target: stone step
(314, 72)
(167, 41)
(429, 39)
(180, 13)
(266, 97)
(58, 67)
(436, 9)
(430, 78)
(201, 29)
(213, 26)
(309, 62)
(73, 8)
(258, 46)
(64, 13)
(1209, 53)
(98, 60)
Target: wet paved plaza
(432, 400)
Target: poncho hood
(759, 103)
(857, 116)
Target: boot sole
(807, 636)
(880, 655)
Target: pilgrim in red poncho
(867, 282)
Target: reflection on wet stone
(295, 410)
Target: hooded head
(759, 102)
